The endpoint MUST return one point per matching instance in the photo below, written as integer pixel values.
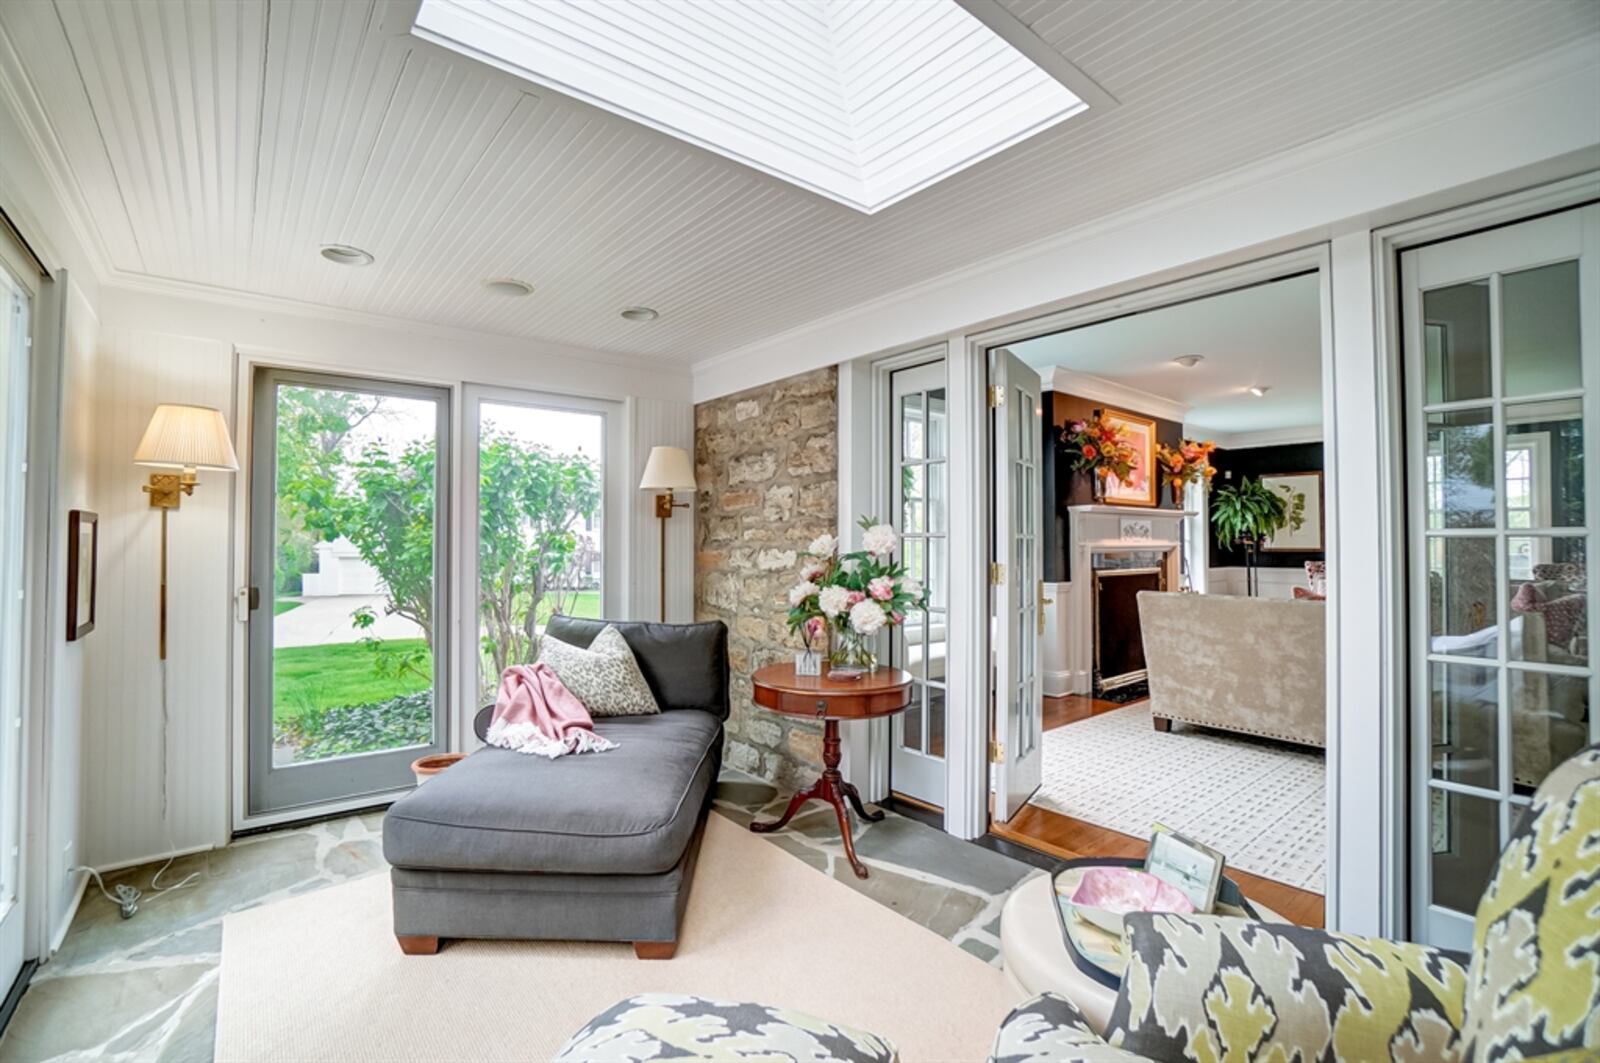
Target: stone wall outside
(767, 464)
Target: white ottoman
(1036, 958)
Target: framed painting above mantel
(1140, 488)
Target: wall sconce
(667, 470)
(188, 439)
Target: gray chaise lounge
(591, 847)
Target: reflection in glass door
(1501, 379)
(348, 637)
(919, 488)
(541, 534)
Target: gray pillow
(605, 677)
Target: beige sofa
(1254, 665)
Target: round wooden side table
(883, 692)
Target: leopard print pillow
(605, 677)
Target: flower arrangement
(1187, 463)
(852, 596)
(1098, 446)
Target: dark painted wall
(1254, 462)
(1063, 487)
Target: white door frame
(1382, 265)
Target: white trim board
(1266, 437)
(1099, 389)
(1526, 124)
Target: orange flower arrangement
(1187, 463)
(1098, 446)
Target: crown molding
(1266, 437)
(1099, 389)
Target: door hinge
(997, 573)
(997, 396)
(997, 752)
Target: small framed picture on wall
(83, 550)
(1139, 489)
(1302, 496)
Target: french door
(349, 630)
(919, 491)
(1014, 402)
(1502, 349)
(16, 304)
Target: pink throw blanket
(534, 712)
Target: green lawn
(579, 603)
(283, 605)
(312, 679)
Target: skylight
(862, 101)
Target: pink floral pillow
(1563, 616)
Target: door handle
(1043, 601)
(245, 599)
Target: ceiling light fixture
(639, 313)
(508, 286)
(345, 255)
(1258, 390)
(1189, 361)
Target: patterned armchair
(1211, 988)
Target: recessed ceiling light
(509, 286)
(1189, 361)
(1259, 390)
(640, 313)
(345, 255)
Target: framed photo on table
(1140, 487)
(83, 550)
(1195, 869)
(1302, 492)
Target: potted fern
(1246, 517)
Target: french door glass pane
(1456, 341)
(1548, 599)
(1465, 723)
(1549, 723)
(540, 486)
(1465, 833)
(1461, 596)
(1545, 464)
(353, 575)
(1460, 469)
(1540, 351)
(920, 487)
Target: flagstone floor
(146, 988)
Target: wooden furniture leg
(830, 787)
(417, 946)
(655, 950)
(1161, 723)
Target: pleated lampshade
(187, 437)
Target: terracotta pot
(425, 768)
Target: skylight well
(862, 101)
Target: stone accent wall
(767, 464)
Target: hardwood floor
(1070, 839)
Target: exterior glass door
(349, 634)
(919, 489)
(1501, 333)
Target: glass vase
(850, 655)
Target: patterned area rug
(1262, 804)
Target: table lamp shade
(668, 469)
(187, 437)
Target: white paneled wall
(661, 423)
(129, 747)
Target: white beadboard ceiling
(862, 101)
(218, 145)
(1267, 334)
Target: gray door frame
(272, 789)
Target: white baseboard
(1058, 684)
(123, 865)
(59, 934)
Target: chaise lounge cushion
(630, 810)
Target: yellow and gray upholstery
(1216, 988)
(694, 1029)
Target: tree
(313, 425)
(386, 509)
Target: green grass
(579, 603)
(309, 680)
(284, 605)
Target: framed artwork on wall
(1140, 487)
(83, 549)
(1303, 493)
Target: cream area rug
(1262, 804)
(319, 977)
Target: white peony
(911, 589)
(833, 601)
(879, 540)
(867, 617)
(823, 545)
(813, 571)
(801, 591)
(850, 565)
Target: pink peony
(881, 588)
(856, 596)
